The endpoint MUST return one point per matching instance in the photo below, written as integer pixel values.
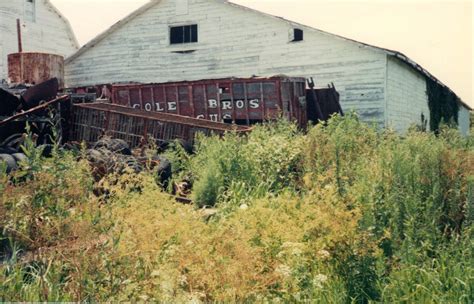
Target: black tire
(120, 146)
(164, 170)
(9, 161)
(98, 162)
(186, 145)
(102, 159)
(19, 157)
(5, 248)
(47, 150)
(114, 144)
(128, 162)
(13, 142)
(6, 150)
(102, 143)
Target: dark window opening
(184, 34)
(297, 35)
(184, 52)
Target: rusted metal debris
(22, 98)
(33, 110)
(322, 103)
(46, 90)
(18, 31)
(92, 121)
(35, 68)
(8, 103)
(243, 101)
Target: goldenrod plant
(345, 213)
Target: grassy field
(340, 214)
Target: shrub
(267, 161)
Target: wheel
(129, 162)
(14, 141)
(9, 161)
(113, 144)
(120, 146)
(19, 157)
(7, 150)
(163, 170)
(47, 150)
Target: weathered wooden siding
(464, 119)
(406, 96)
(236, 42)
(45, 31)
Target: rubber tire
(7, 150)
(47, 150)
(19, 157)
(131, 163)
(10, 162)
(120, 146)
(114, 144)
(13, 141)
(164, 169)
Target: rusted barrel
(34, 68)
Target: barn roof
(405, 59)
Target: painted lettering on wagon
(239, 104)
(212, 104)
(157, 106)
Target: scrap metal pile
(26, 106)
(112, 155)
(39, 111)
(113, 127)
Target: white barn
(178, 40)
(43, 29)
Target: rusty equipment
(322, 103)
(34, 110)
(25, 98)
(44, 91)
(18, 31)
(8, 103)
(22, 104)
(91, 121)
(233, 100)
(35, 68)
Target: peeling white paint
(464, 119)
(238, 42)
(43, 30)
(407, 99)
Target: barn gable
(235, 41)
(44, 29)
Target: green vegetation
(341, 214)
(443, 103)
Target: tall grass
(345, 213)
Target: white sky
(435, 33)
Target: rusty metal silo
(34, 68)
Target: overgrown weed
(343, 214)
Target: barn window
(297, 35)
(184, 34)
(30, 10)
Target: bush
(265, 162)
(343, 214)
